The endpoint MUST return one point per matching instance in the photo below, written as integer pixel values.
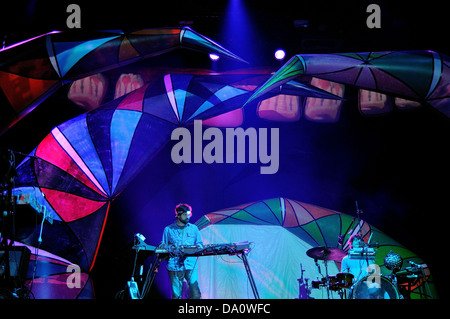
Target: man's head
(355, 241)
(183, 212)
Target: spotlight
(214, 57)
(280, 54)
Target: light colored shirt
(357, 267)
(181, 235)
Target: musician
(180, 268)
(356, 267)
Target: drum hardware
(326, 253)
(374, 287)
(339, 283)
(304, 288)
(413, 278)
(362, 253)
(331, 283)
(398, 285)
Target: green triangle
(275, 207)
(329, 226)
(262, 211)
(293, 68)
(313, 230)
(245, 216)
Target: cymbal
(326, 253)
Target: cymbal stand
(358, 214)
(327, 280)
(326, 273)
(342, 293)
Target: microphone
(358, 211)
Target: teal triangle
(402, 64)
(205, 106)
(123, 126)
(180, 97)
(69, 53)
(197, 38)
(330, 227)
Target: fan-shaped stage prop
(32, 70)
(411, 77)
(82, 165)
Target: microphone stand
(358, 214)
(342, 236)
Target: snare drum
(374, 288)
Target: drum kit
(338, 283)
(373, 285)
(368, 287)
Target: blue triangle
(69, 53)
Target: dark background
(396, 165)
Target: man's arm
(165, 236)
(344, 265)
(198, 238)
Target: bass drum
(374, 288)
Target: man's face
(184, 217)
(357, 243)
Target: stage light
(280, 54)
(214, 57)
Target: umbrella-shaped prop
(405, 78)
(83, 164)
(285, 234)
(32, 70)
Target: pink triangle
(50, 151)
(71, 207)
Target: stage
(111, 115)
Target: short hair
(352, 238)
(182, 208)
